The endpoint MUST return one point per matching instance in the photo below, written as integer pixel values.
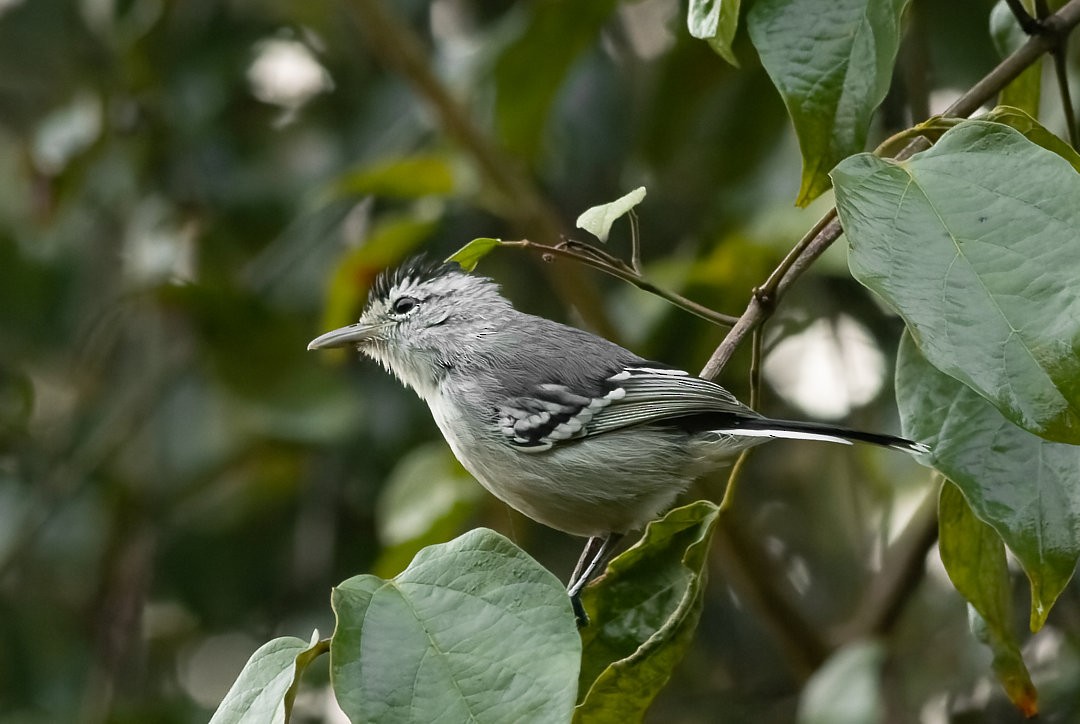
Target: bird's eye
(404, 305)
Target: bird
(564, 426)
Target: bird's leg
(593, 559)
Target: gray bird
(568, 428)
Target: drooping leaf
(715, 21)
(974, 557)
(473, 630)
(263, 692)
(470, 255)
(847, 688)
(644, 612)
(427, 498)
(1034, 132)
(832, 62)
(598, 219)
(974, 244)
(1020, 484)
(1023, 92)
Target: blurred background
(190, 191)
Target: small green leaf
(409, 177)
(832, 62)
(266, 686)
(473, 630)
(847, 688)
(973, 243)
(470, 255)
(715, 21)
(1034, 132)
(974, 558)
(1023, 92)
(644, 612)
(598, 220)
(1020, 484)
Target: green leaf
(1020, 484)
(409, 177)
(598, 219)
(847, 688)
(531, 70)
(973, 242)
(473, 630)
(644, 612)
(974, 558)
(1008, 36)
(470, 255)
(715, 21)
(832, 62)
(427, 498)
(1034, 132)
(266, 686)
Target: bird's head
(422, 319)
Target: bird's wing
(552, 414)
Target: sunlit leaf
(470, 255)
(1020, 484)
(973, 242)
(598, 219)
(974, 557)
(644, 612)
(473, 630)
(715, 21)
(264, 690)
(832, 61)
(847, 688)
(1008, 36)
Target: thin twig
(627, 275)
(635, 242)
(1028, 24)
(1061, 72)
(755, 402)
(828, 230)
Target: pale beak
(354, 334)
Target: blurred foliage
(193, 190)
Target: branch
(599, 259)
(827, 230)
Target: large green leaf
(473, 630)
(644, 611)
(832, 62)
(975, 244)
(715, 21)
(264, 690)
(1022, 485)
(974, 557)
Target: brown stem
(621, 271)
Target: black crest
(418, 268)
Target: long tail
(797, 430)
